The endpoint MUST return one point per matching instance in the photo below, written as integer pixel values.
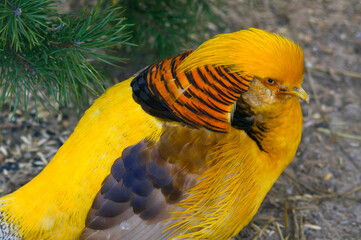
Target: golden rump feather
(186, 149)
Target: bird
(187, 148)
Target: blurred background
(319, 194)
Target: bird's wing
(150, 177)
(147, 181)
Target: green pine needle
(50, 56)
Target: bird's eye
(271, 81)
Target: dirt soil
(319, 194)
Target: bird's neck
(280, 130)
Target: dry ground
(319, 195)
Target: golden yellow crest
(252, 52)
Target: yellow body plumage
(233, 188)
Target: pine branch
(52, 56)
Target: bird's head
(273, 62)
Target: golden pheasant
(186, 149)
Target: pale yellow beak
(299, 92)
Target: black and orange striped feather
(202, 97)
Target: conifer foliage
(53, 56)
